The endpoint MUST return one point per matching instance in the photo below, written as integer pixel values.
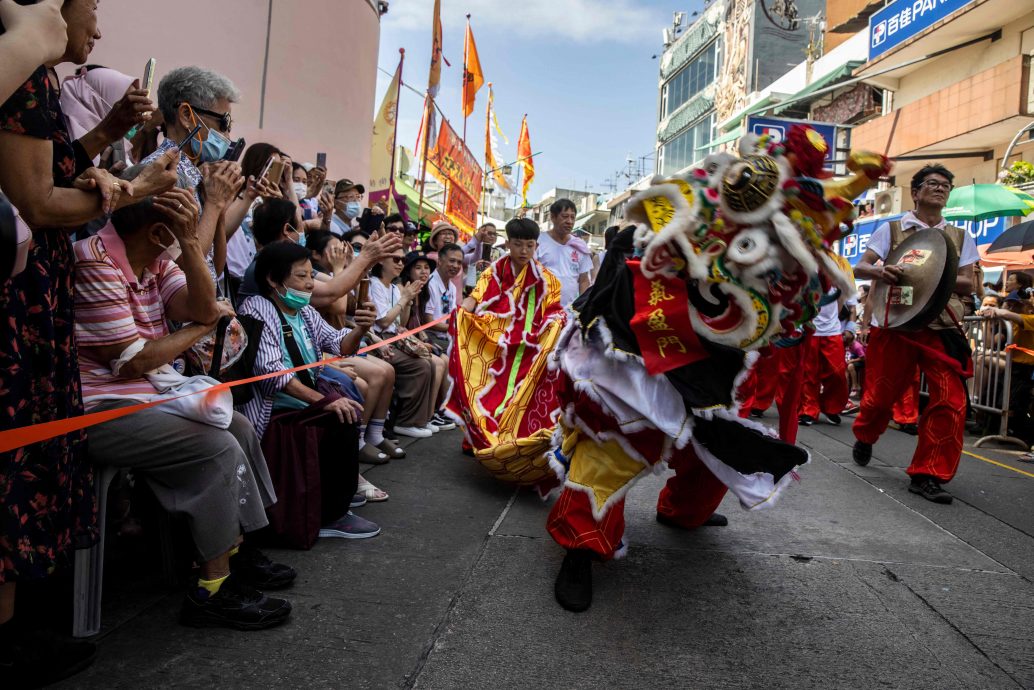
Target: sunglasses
(224, 119)
(396, 259)
(395, 228)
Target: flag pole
(395, 137)
(428, 104)
(463, 90)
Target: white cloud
(582, 21)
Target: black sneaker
(910, 429)
(253, 568)
(805, 420)
(716, 520)
(235, 605)
(833, 419)
(35, 658)
(756, 413)
(573, 588)
(862, 453)
(930, 489)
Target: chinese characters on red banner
(455, 167)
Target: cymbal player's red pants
(891, 359)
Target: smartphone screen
(321, 160)
(148, 81)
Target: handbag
(244, 365)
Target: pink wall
(322, 73)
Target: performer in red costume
(940, 350)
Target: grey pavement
(847, 581)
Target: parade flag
(473, 78)
(382, 147)
(491, 155)
(434, 79)
(525, 159)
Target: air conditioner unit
(888, 201)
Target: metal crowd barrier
(992, 374)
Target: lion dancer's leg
(792, 360)
(690, 497)
(588, 519)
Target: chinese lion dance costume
(713, 266)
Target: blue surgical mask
(295, 299)
(352, 209)
(213, 149)
(301, 236)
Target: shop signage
(903, 19)
(852, 247)
(778, 127)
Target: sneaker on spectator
(358, 501)
(432, 428)
(442, 422)
(255, 569)
(235, 605)
(413, 431)
(351, 526)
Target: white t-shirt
(566, 263)
(879, 243)
(827, 321)
(443, 298)
(241, 250)
(385, 298)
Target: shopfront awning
(737, 118)
(842, 73)
(727, 137)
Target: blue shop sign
(853, 246)
(903, 19)
(778, 127)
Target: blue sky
(581, 70)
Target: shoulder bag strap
(293, 352)
(217, 350)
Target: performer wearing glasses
(939, 349)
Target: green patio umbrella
(983, 201)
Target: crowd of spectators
(159, 256)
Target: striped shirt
(270, 356)
(113, 307)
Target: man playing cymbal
(939, 349)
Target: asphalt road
(847, 581)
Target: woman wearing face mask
(288, 408)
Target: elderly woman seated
(143, 269)
(305, 417)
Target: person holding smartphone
(479, 253)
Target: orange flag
(524, 156)
(435, 77)
(473, 78)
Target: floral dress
(46, 496)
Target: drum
(930, 265)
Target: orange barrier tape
(26, 435)
(1024, 350)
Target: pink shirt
(112, 307)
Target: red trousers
(775, 376)
(891, 361)
(906, 408)
(689, 498)
(825, 376)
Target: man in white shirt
(825, 366)
(940, 350)
(444, 297)
(565, 256)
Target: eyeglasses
(396, 259)
(395, 228)
(224, 119)
(934, 184)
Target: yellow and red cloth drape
(503, 389)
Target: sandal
(391, 448)
(371, 456)
(371, 492)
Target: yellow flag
(434, 79)
(491, 156)
(525, 159)
(382, 147)
(473, 78)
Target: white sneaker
(432, 428)
(413, 432)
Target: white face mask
(172, 251)
(301, 190)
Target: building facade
(306, 70)
(707, 72)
